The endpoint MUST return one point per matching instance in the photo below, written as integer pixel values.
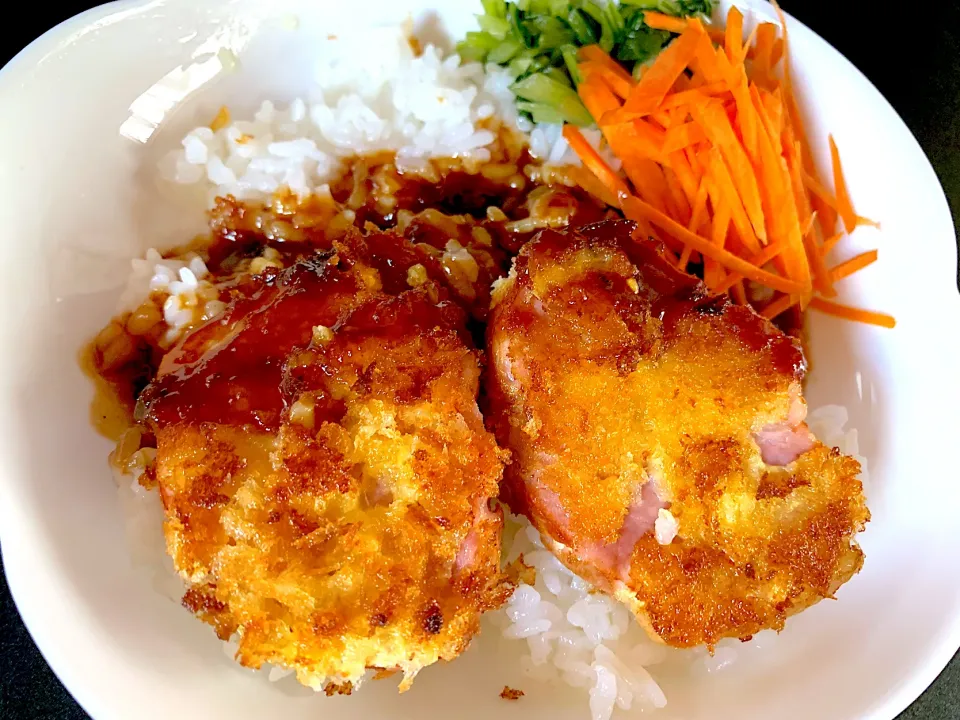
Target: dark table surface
(929, 102)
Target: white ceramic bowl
(84, 122)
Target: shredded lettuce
(537, 41)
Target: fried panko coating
(325, 472)
(658, 440)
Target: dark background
(917, 69)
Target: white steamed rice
(386, 99)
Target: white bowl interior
(81, 196)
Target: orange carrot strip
(591, 70)
(777, 53)
(689, 180)
(711, 64)
(733, 37)
(821, 275)
(592, 161)
(779, 306)
(761, 110)
(717, 126)
(773, 102)
(595, 54)
(716, 35)
(597, 96)
(745, 51)
(659, 120)
(712, 274)
(854, 264)
(620, 82)
(830, 243)
(844, 206)
(649, 183)
(698, 96)
(816, 187)
(762, 55)
(867, 222)
(681, 136)
(633, 207)
(643, 138)
(852, 313)
(662, 21)
(728, 196)
(680, 200)
(589, 182)
(769, 253)
(681, 84)
(739, 294)
(699, 209)
(746, 116)
(656, 82)
(696, 220)
(781, 210)
(826, 214)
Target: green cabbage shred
(537, 42)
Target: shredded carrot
(683, 136)
(744, 181)
(814, 185)
(830, 243)
(634, 207)
(844, 206)
(733, 37)
(852, 313)
(818, 266)
(779, 306)
(727, 199)
(659, 78)
(596, 164)
(696, 220)
(867, 222)
(596, 60)
(739, 294)
(762, 55)
(768, 254)
(679, 198)
(594, 54)
(716, 163)
(854, 264)
(662, 21)
(589, 182)
(597, 96)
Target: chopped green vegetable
(637, 42)
(541, 113)
(582, 28)
(537, 41)
(495, 8)
(546, 90)
(680, 8)
(498, 27)
(505, 52)
(569, 53)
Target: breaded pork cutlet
(659, 443)
(325, 471)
